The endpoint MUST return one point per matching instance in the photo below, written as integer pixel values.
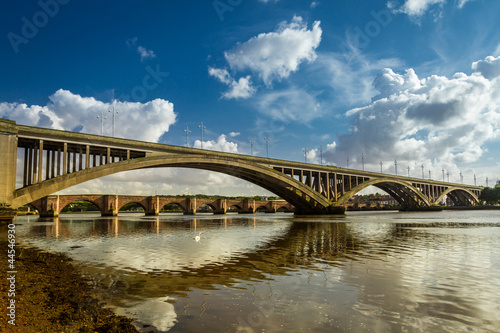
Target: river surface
(363, 272)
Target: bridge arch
(459, 196)
(403, 192)
(177, 204)
(291, 190)
(138, 203)
(66, 203)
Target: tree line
(491, 195)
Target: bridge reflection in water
(392, 271)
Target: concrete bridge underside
(54, 160)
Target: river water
(363, 272)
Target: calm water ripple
(365, 272)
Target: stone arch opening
(80, 206)
(234, 209)
(132, 207)
(173, 207)
(206, 208)
(261, 209)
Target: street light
(408, 171)
(102, 119)
(381, 166)
(305, 154)
(396, 166)
(423, 171)
(267, 144)
(201, 127)
(363, 161)
(347, 158)
(321, 154)
(251, 147)
(187, 136)
(114, 113)
(443, 174)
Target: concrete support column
(40, 161)
(87, 157)
(30, 166)
(25, 170)
(8, 156)
(65, 159)
(58, 162)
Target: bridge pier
(110, 205)
(153, 208)
(8, 156)
(191, 206)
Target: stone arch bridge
(109, 205)
(53, 160)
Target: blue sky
(371, 78)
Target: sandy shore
(52, 296)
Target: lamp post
(102, 119)
(443, 174)
(363, 161)
(114, 113)
(396, 166)
(201, 127)
(305, 154)
(408, 171)
(448, 175)
(381, 166)
(474, 179)
(187, 136)
(461, 178)
(321, 154)
(423, 171)
(347, 159)
(267, 144)
(430, 174)
(251, 147)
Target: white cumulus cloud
(274, 55)
(68, 111)
(221, 144)
(420, 119)
(417, 8)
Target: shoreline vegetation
(53, 296)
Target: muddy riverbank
(52, 296)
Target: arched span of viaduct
(459, 196)
(413, 195)
(301, 196)
(403, 192)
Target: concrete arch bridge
(53, 160)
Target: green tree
(490, 195)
